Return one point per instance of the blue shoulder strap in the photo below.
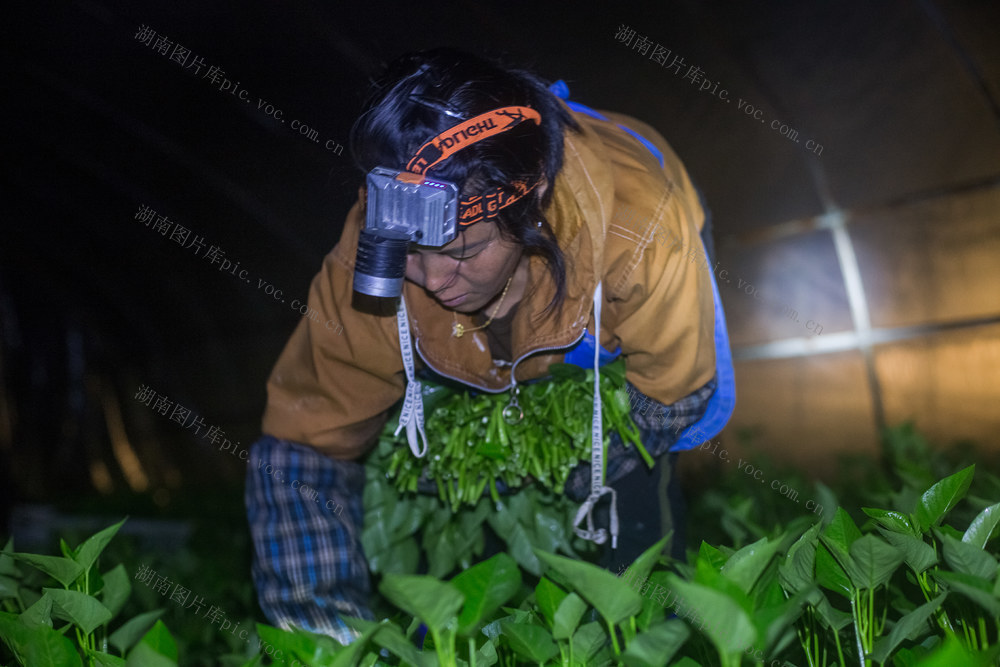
(583, 354)
(561, 90)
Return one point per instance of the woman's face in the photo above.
(468, 273)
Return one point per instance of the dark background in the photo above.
(901, 96)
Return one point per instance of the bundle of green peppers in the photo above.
(471, 446)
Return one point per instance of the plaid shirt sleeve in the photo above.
(305, 514)
(659, 428)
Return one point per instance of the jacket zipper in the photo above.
(513, 368)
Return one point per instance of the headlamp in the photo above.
(407, 207)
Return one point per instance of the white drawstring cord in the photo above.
(412, 415)
(597, 487)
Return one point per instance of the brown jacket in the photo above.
(334, 391)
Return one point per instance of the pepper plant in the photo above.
(897, 586)
(69, 625)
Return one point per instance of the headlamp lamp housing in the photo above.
(402, 208)
(425, 208)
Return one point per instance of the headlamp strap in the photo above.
(465, 134)
(468, 132)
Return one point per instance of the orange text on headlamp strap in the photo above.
(467, 133)
(486, 207)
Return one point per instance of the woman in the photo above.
(536, 263)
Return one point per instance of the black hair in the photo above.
(420, 95)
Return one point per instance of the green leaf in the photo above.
(707, 576)
(38, 645)
(656, 646)
(567, 616)
(950, 531)
(66, 551)
(614, 371)
(942, 497)
(401, 557)
(916, 553)
(63, 570)
(117, 588)
(144, 655)
(84, 611)
(308, 646)
(39, 614)
(88, 552)
(967, 558)
(796, 570)
(875, 560)
(391, 638)
(653, 611)
(404, 518)
(132, 630)
(841, 531)
(108, 660)
(531, 641)
(552, 533)
(643, 565)
(352, 653)
(731, 629)
(897, 522)
(8, 587)
(905, 628)
(831, 617)
(711, 556)
(776, 613)
(831, 572)
(611, 597)
(159, 639)
(950, 653)
(518, 543)
(972, 587)
(434, 602)
(441, 550)
(746, 565)
(548, 596)
(486, 586)
(982, 527)
(588, 641)
(486, 655)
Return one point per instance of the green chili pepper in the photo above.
(557, 417)
(491, 436)
(502, 427)
(494, 494)
(546, 458)
(531, 447)
(637, 441)
(394, 465)
(469, 489)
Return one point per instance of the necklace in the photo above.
(457, 330)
